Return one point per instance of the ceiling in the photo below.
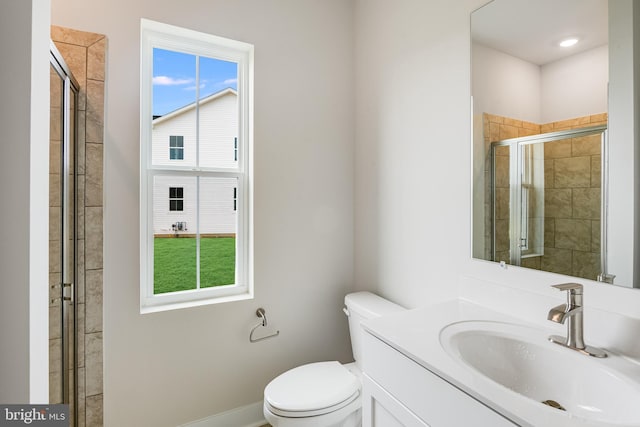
(532, 29)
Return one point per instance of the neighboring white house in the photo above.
(174, 144)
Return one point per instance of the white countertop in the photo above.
(416, 334)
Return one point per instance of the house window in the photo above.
(235, 149)
(176, 198)
(176, 147)
(235, 199)
(197, 92)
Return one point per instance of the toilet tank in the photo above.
(362, 306)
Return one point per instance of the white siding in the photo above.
(180, 125)
(216, 205)
(218, 129)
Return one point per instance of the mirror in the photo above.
(544, 197)
(552, 144)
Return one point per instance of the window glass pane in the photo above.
(174, 261)
(176, 147)
(198, 196)
(176, 141)
(174, 227)
(176, 154)
(176, 199)
(218, 228)
(218, 113)
(176, 205)
(174, 113)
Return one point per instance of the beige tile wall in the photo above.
(85, 54)
(572, 206)
(572, 195)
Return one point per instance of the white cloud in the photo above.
(194, 87)
(230, 81)
(170, 81)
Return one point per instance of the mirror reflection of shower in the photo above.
(545, 210)
(62, 234)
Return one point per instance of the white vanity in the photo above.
(400, 392)
(460, 364)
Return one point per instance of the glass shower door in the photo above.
(546, 202)
(62, 238)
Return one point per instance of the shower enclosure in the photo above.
(62, 234)
(548, 202)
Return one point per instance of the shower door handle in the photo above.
(62, 286)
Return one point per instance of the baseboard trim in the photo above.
(245, 416)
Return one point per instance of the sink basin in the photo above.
(520, 359)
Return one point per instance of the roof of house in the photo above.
(191, 106)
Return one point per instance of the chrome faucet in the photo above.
(572, 314)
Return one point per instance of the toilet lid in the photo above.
(312, 387)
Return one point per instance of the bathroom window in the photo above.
(197, 94)
(176, 147)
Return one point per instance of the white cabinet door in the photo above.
(380, 409)
(433, 400)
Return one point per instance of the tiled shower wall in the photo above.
(85, 55)
(572, 195)
(498, 128)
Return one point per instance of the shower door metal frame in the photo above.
(66, 287)
(515, 183)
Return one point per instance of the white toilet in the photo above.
(326, 394)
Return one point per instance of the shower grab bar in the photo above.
(263, 323)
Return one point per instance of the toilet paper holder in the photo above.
(261, 313)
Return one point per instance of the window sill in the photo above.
(156, 308)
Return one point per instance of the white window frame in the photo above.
(163, 36)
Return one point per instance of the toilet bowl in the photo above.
(326, 394)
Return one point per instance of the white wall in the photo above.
(572, 87)
(168, 368)
(505, 85)
(412, 147)
(24, 166)
(575, 86)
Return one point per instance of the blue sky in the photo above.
(174, 79)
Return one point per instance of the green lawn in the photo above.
(175, 263)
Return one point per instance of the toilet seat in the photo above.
(312, 390)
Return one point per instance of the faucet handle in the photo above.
(572, 288)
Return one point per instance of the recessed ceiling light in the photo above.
(568, 42)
